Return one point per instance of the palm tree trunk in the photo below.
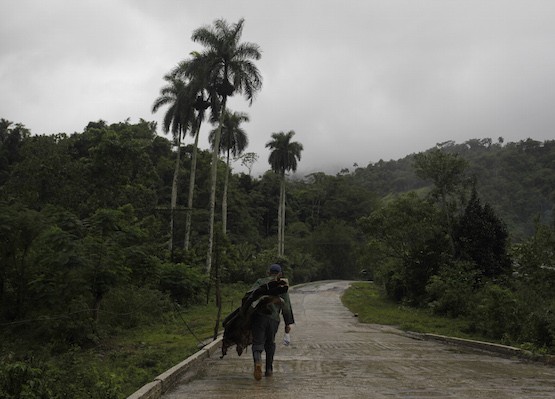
(218, 300)
(282, 227)
(281, 218)
(188, 217)
(448, 219)
(224, 197)
(279, 223)
(174, 192)
(213, 177)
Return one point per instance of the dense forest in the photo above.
(117, 217)
(85, 233)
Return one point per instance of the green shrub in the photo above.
(451, 291)
(130, 306)
(64, 377)
(389, 276)
(538, 323)
(20, 380)
(550, 318)
(302, 268)
(185, 284)
(73, 326)
(496, 314)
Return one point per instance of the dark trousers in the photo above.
(264, 330)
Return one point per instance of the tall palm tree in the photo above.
(195, 73)
(234, 140)
(283, 157)
(178, 117)
(230, 69)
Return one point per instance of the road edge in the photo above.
(490, 347)
(163, 382)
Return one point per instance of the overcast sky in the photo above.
(357, 80)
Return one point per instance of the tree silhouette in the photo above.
(283, 157)
(229, 68)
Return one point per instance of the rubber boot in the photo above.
(270, 351)
(257, 355)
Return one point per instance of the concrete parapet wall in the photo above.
(152, 390)
(502, 350)
(487, 346)
(191, 365)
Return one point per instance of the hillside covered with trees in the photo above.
(516, 179)
(85, 232)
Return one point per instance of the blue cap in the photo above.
(274, 268)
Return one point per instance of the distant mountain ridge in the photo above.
(517, 179)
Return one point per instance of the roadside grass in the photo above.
(364, 299)
(135, 357)
(123, 360)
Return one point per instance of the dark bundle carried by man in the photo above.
(237, 325)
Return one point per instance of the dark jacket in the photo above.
(271, 305)
(267, 297)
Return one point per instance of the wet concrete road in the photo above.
(334, 356)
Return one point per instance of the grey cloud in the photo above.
(358, 81)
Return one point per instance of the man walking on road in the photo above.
(265, 322)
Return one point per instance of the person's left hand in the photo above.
(287, 328)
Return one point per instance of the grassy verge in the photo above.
(138, 356)
(120, 363)
(364, 299)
